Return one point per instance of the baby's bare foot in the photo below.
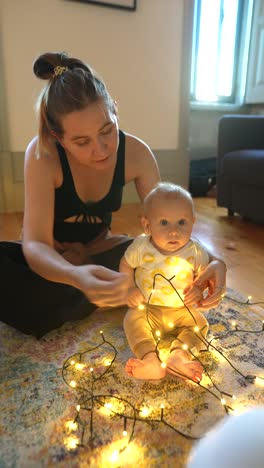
(148, 368)
(180, 364)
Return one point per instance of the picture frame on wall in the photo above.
(129, 5)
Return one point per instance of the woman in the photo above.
(75, 170)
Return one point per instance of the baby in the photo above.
(166, 251)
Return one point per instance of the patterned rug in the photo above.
(37, 401)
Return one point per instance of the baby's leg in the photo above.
(140, 338)
(191, 337)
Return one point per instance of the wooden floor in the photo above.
(239, 243)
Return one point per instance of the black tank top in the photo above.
(67, 203)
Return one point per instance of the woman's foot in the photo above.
(148, 368)
(180, 364)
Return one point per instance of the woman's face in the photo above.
(91, 136)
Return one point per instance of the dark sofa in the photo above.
(240, 166)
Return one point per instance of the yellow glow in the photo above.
(144, 412)
(91, 369)
(234, 323)
(141, 307)
(72, 362)
(73, 383)
(114, 456)
(196, 329)
(157, 333)
(101, 331)
(162, 406)
(171, 324)
(163, 365)
(78, 407)
(234, 397)
(124, 433)
(71, 442)
(107, 362)
(79, 366)
(184, 346)
(71, 425)
(249, 298)
(259, 382)
(223, 401)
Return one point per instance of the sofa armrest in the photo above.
(236, 132)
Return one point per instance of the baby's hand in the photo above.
(134, 297)
(192, 295)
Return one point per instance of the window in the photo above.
(215, 51)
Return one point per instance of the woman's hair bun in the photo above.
(45, 64)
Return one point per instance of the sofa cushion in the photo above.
(244, 167)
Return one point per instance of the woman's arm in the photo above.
(141, 166)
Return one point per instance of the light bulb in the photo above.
(141, 307)
(79, 366)
(73, 383)
(184, 346)
(196, 329)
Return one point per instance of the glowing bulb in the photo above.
(171, 324)
(259, 381)
(184, 346)
(196, 329)
(108, 406)
(78, 407)
(79, 366)
(249, 298)
(91, 369)
(162, 406)
(141, 307)
(72, 362)
(107, 362)
(73, 383)
(71, 442)
(71, 425)
(114, 456)
(157, 333)
(163, 365)
(234, 323)
(233, 397)
(145, 412)
(223, 401)
(152, 291)
(101, 331)
(124, 433)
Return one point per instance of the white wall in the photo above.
(137, 53)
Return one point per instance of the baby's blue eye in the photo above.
(164, 222)
(181, 222)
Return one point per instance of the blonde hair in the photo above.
(72, 89)
(169, 191)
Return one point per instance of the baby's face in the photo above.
(170, 223)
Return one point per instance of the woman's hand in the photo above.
(134, 297)
(103, 287)
(213, 277)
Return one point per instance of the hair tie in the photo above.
(59, 70)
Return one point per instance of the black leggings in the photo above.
(35, 305)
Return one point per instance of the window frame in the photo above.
(221, 100)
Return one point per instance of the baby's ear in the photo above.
(145, 224)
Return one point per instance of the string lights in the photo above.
(84, 376)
